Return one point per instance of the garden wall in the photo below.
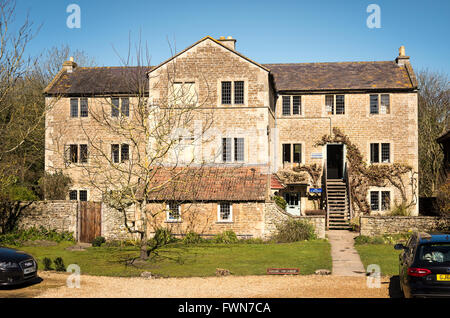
(52, 215)
(379, 225)
(274, 215)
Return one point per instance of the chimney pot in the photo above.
(229, 42)
(69, 65)
(402, 59)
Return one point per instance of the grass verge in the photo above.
(201, 260)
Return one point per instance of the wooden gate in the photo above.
(90, 221)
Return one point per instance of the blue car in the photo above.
(424, 269)
(16, 267)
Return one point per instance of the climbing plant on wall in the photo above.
(363, 176)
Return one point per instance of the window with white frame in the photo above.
(380, 200)
(380, 152)
(173, 211)
(291, 105)
(225, 212)
(233, 149)
(380, 104)
(335, 104)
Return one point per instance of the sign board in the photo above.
(315, 190)
(283, 271)
(316, 155)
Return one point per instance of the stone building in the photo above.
(253, 125)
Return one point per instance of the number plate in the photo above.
(29, 270)
(443, 277)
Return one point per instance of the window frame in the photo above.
(334, 106)
(219, 212)
(83, 107)
(291, 148)
(381, 151)
(72, 109)
(232, 92)
(382, 207)
(169, 210)
(235, 89)
(381, 98)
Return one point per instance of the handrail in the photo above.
(349, 193)
(324, 191)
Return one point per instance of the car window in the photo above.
(436, 253)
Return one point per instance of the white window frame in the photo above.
(219, 217)
(168, 218)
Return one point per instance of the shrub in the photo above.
(162, 237)
(400, 210)
(227, 237)
(20, 236)
(59, 264)
(47, 264)
(280, 201)
(193, 238)
(316, 212)
(98, 241)
(294, 231)
(54, 186)
(355, 224)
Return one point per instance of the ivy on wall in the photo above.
(363, 176)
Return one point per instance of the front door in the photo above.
(335, 161)
(90, 221)
(293, 202)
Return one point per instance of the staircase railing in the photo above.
(324, 192)
(349, 193)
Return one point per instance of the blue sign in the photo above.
(315, 190)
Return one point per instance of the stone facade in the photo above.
(379, 225)
(52, 215)
(258, 120)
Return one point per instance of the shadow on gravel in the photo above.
(394, 287)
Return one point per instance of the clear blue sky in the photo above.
(275, 31)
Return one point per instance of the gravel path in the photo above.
(220, 287)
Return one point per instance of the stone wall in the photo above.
(55, 215)
(274, 215)
(379, 225)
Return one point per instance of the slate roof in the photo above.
(100, 80)
(342, 76)
(209, 184)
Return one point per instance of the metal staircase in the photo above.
(338, 207)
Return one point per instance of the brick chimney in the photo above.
(229, 42)
(69, 65)
(402, 59)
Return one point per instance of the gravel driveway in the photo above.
(220, 287)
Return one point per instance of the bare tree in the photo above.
(434, 111)
(128, 178)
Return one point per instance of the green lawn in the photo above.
(196, 260)
(383, 255)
